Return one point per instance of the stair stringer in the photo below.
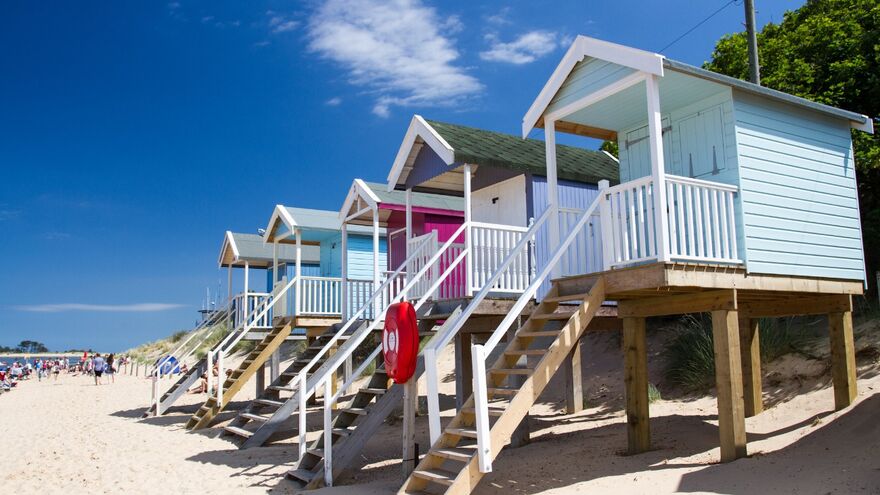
(272, 341)
(529, 392)
(262, 434)
(179, 388)
(282, 379)
(350, 447)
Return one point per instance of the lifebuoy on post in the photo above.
(400, 342)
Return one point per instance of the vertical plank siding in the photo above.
(586, 77)
(798, 191)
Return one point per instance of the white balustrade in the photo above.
(627, 212)
(702, 224)
(245, 304)
(320, 296)
(492, 244)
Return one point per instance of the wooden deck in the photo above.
(736, 300)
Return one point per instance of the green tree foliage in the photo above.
(611, 147)
(31, 346)
(826, 51)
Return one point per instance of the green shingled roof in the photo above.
(494, 149)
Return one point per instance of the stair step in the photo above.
(238, 431)
(537, 333)
(282, 388)
(526, 352)
(553, 316)
(570, 297)
(462, 432)
(301, 474)
(254, 417)
(455, 453)
(269, 402)
(502, 391)
(342, 432)
(355, 410)
(316, 452)
(511, 371)
(492, 411)
(440, 476)
(374, 391)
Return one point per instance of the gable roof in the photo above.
(375, 194)
(655, 63)
(306, 219)
(459, 144)
(238, 248)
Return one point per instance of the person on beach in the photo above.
(98, 367)
(108, 369)
(56, 369)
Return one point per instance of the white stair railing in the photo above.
(183, 351)
(243, 305)
(513, 256)
(481, 352)
(226, 346)
(493, 244)
(429, 269)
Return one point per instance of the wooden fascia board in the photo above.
(698, 302)
(797, 306)
(419, 128)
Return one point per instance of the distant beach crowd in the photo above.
(102, 368)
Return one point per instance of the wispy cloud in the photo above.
(333, 102)
(102, 308)
(260, 44)
(9, 214)
(525, 49)
(499, 18)
(396, 50)
(56, 236)
(280, 23)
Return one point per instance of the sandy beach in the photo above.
(77, 437)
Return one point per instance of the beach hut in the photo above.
(305, 258)
(497, 183)
(372, 282)
(732, 199)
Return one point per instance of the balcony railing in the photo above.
(245, 304)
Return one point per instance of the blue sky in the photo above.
(133, 134)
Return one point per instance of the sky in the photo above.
(134, 134)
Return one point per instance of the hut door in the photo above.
(637, 152)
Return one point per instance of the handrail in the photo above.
(430, 351)
(481, 352)
(700, 182)
(328, 372)
(499, 226)
(206, 323)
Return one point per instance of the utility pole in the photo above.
(754, 68)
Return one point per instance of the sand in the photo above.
(75, 437)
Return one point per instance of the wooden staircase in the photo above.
(179, 388)
(259, 411)
(452, 464)
(234, 382)
(354, 425)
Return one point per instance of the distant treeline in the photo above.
(26, 346)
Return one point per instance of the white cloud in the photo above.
(523, 50)
(56, 236)
(334, 102)
(394, 49)
(499, 18)
(279, 23)
(207, 18)
(260, 44)
(104, 308)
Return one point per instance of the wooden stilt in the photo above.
(464, 372)
(260, 381)
(275, 364)
(574, 390)
(750, 351)
(843, 360)
(310, 340)
(635, 358)
(410, 405)
(728, 380)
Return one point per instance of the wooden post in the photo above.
(635, 359)
(410, 405)
(275, 365)
(843, 360)
(464, 372)
(552, 187)
(468, 238)
(574, 390)
(658, 167)
(750, 351)
(728, 380)
(261, 380)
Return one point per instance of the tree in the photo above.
(30, 346)
(826, 51)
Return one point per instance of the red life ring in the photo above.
(400, 341)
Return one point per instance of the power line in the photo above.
(689, 31)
